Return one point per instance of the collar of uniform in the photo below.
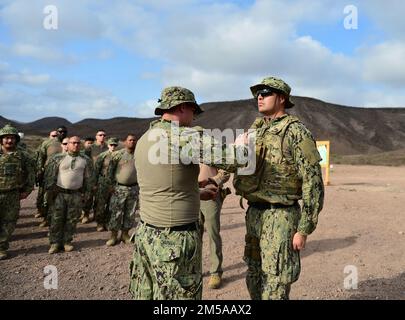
(73, 154)
(272, 122)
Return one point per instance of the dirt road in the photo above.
(361, 230)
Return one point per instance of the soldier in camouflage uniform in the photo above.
(210, 212)
(93, 150)
(167, 258)
(287, 170)
(123, 180)
(102, 197)
(17, 178)
(69, 181)
(45, 151)
(64, 144)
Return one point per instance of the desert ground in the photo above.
(361, 230)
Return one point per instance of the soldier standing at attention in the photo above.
(102, 197)
(64, 144)
(46, 150)
(88, 142)
(17, 179)
(123, 180)
(167, 258)
(287, 170)
(93, 151)
(210, 212)
(69, 181)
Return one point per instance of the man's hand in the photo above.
(241, 139)
(24, 195)
(209, 192)
(203, 183)
(299, 241)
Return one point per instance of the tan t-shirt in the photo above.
(71, 172)
(169, 193)
(126, 172)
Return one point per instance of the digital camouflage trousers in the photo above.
(272, 263)
(64, 212)
(166, 265)
(9, 210)
(122, 208)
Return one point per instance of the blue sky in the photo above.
(109, 59)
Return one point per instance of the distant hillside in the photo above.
(351, 130)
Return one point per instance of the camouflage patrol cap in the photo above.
(113, 141)
(173, 96)
(278, 85)
(9, 130)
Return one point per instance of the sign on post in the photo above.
(324, 151)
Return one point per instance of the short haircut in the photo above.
(89, 139)
(130, 135)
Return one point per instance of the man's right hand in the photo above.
(209, 192)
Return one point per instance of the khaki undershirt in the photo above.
(169, 194)
(126, 172)
(68, 177)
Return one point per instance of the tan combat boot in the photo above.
(54, 248)
(125, 237)
(3, 254)
(113, 239)
(215, 281)
(68, 247)
(38, 214)
(85, 218)
(44, 223)
(100, 227)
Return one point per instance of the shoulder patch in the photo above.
(309, 150)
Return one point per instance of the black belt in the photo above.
(59, 189)
(11, 190)
(127, 185)
(268, 205)
(184, 227)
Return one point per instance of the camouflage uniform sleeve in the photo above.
(112, 167)
(221, 177)
(98, 165)
(206, 149)
(41, 157)
(51, 171)
(29, 172)
(89, 178)
(306, 157)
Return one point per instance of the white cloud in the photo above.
(145, 109)
(217, 49)
(385, 63)
(26, 78)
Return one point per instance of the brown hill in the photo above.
(351, 130)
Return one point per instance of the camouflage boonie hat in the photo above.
(9, 130)
(173, 96)
(113, 141)
(278, 85)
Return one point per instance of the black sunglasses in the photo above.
(266, 92)
(65, 143)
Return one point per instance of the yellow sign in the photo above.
(324, 151)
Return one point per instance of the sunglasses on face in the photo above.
(54, 135)
(65, 143)
(266, 92)
(101, 135)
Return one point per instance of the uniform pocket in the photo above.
(289, 264)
